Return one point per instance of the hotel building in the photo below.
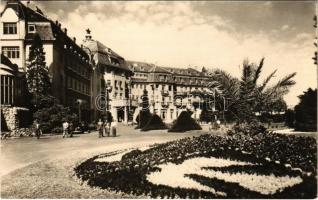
(170, 90)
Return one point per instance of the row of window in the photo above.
(140, 75)
(11, 52)
(120, 95)
(11, 28)
(119, 84)
(77, 68)
(77, 85)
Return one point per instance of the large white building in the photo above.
(170, 90)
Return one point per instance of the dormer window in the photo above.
(31, 28)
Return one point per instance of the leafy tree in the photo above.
(37, 73)
(306, 111)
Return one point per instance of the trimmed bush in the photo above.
(184, 123)
(143, 118)
(155, 123)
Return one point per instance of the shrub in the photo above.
(51, 115)
(252, 128)
(184, 123)
(155, 123)
(143, 118)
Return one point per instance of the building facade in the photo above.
(110, 81)
(170, 90)
(68, 63)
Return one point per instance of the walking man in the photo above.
(65, 128)
(38, 131)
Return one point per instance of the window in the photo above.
(9, 28)
(31, 28)
(11, 52)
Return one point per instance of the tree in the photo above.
(246, 95)
(145, 100)
(290, 118)
(37, 73)
(306, 111)
(51, 115)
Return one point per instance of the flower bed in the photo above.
(286, 163)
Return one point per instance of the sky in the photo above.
(214, 34)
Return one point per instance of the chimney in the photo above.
(56, 22)
(59, 25)
(74, 39)
(65, 31)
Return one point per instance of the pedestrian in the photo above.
(106, 128)
(37, 127)
(71, 129)
(65, 128)
(100, 127)
(109, 119)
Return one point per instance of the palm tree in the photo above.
(246, 95)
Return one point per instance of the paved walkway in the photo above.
(20, 152)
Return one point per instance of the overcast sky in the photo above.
(211, 34)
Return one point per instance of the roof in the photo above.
(43, 30)
(25, 12)
(7, 67)
(137, 66)
(103, 55)
(157, 69)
